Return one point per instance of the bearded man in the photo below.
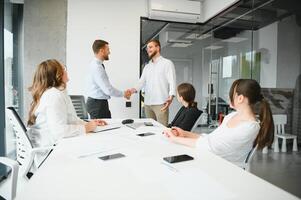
(159, 82)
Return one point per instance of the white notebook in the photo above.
(106, 127)
(135, 125)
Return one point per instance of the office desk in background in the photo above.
(73, 171)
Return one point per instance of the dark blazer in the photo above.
(185, 118)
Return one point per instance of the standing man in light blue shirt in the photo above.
(100, 88)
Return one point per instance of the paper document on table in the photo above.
(206, 186)
(174, 178)
(106, 128)
(99, 143)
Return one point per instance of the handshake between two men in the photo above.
(128, 93)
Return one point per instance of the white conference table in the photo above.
(73, 171)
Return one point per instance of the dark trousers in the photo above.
(98, 108)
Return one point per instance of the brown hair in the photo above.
(49, 73)
(187, 91)
(98, 44)
(157, 42)
(251, 89)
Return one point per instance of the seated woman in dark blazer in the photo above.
(188, 113)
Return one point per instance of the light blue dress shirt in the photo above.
(99, 84)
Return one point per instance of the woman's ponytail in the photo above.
(265, 136)
(193, 104)
(187, 92)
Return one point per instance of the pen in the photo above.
(109, 129)
(170, 167)
(130, 127)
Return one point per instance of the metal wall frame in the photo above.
(2, 99)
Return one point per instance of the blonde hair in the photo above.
(49, 73)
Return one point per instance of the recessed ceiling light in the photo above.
(191, 36)
(204, 36)
(213, 47)
(183, 45)
(198, 36)
(247, 17)
(179, 41)
(235, 39)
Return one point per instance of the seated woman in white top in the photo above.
(52, 115)
(240, 130)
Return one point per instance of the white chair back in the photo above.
(279, 122)
(22, 140)
(13, 176)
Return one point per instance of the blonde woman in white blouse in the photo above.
(240, 130)
(52, 115)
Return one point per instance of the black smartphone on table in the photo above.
(178, 158)
(112, 156)
(145, 134)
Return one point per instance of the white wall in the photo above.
(117, 22)
(44, 38)
(289, 48)
(212, 7)
(267, 45)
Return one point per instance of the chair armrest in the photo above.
(41, 149)
(14, 174)
(9, 162)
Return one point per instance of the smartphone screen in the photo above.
(112, 156)
(178, 158)
(145, 134)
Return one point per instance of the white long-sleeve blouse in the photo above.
(55, 119)
(232, 144)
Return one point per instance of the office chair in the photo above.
(246, 164)
(79, 104)
(13, 180)
(25, 151)
(197, 122)
(249, 158)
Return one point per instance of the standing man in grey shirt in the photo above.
(100, 88)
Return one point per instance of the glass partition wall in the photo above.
(257, 39)
(229, 56)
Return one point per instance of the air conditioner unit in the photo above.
(175, 10)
